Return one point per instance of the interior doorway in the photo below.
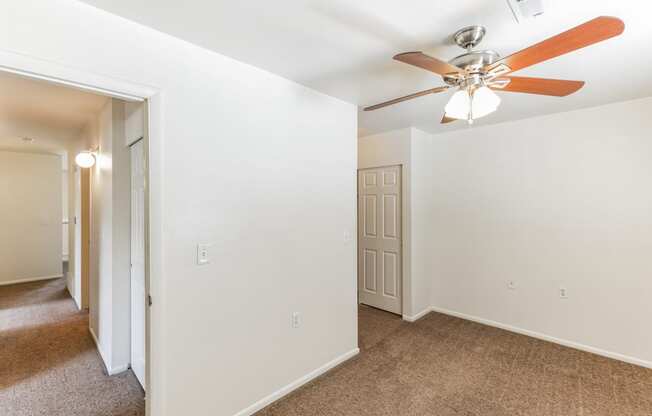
(380, 238)
(97, 217)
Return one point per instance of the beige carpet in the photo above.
(48, 361)
(444, 366)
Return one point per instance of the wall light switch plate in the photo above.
(296, 319)
(563, 293)
(203, 255)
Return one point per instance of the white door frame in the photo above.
(137, 292)
(40, 69)
(78, 248)
(404, 232)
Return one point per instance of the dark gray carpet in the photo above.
(439, 366)
(444, 366)
(48, 362)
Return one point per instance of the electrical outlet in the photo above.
(511, 284)
(563, 293)
(296, 319)
(202, 254)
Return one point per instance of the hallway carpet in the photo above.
(444, 366)
(48, 362)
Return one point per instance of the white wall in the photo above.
(419, 218)
(259, 166)
(384, 149)
(109, 301)
(561, 200)
(49, 139)
(30, 216)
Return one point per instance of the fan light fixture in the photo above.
(85, 159)
(459, 105)
(485, 102)
(468, 104)
(476, 74)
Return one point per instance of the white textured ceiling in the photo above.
(344, 48)
(50, 114)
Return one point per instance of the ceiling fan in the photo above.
(477, 74)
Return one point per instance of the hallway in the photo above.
(49, 364)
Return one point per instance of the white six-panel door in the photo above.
(138, 292)
(379, 238)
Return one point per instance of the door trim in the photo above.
(138, 142)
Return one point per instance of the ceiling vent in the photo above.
(525, 9)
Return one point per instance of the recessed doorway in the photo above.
(85, 140)
(380, 238)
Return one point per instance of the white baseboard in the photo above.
(118, 369)
(544, 337)
(69, 278)
(99, 348)
(413, 318)
(296, 384)
(79, 308)
(109, 369)
(30, 279)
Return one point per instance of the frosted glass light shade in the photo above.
(85, 159)
(459, 105)
(485, 102)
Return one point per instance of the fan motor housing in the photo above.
(475, 59)
(472, 62)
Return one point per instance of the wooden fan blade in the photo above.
(541, 86)
(426, 62)
(407, 97)
(445, 119)
(594, 31)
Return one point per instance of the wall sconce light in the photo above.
(85, 159)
